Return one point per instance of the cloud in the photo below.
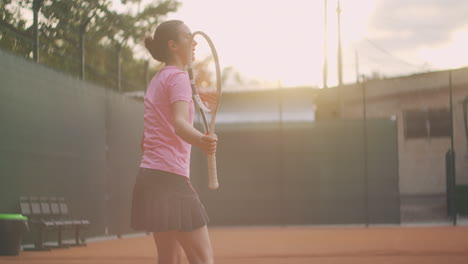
(406, 25)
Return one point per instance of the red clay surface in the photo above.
(291, 245)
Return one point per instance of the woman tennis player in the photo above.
(164, 201)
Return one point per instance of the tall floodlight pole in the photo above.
(325, 52)
(340, 63)
(356, 59)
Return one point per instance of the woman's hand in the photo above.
(208, 143)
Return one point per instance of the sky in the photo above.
(281, 43)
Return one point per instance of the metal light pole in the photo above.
(325, 55)
(356, 59)
(340, 64)
(340, 59)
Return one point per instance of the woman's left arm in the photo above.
(185, 130)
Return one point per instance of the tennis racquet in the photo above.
(205, 79)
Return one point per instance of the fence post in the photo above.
(36, 7)
(147, 78)
(364, 134)
(117, 55)
(82, 46)
(450, 166)
(451, 185)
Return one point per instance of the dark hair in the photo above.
(157, 45)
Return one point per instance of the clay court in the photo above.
(291, 245)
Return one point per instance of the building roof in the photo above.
(397, 86)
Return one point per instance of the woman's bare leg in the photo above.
(169, 250)
(197, 246)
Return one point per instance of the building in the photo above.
(421, 105)
(274, 105)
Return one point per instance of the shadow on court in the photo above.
(292, 245)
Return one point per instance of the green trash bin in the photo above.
(12, 228)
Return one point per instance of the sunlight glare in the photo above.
(452, 54)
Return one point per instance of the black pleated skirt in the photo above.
(164, 201)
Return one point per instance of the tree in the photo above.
(60, 24)
(14, 35)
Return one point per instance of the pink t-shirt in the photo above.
(163, 149)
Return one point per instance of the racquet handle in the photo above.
(212, 174)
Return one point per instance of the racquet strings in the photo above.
(204, 71)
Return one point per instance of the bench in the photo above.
(51, 214)
(76, 223)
